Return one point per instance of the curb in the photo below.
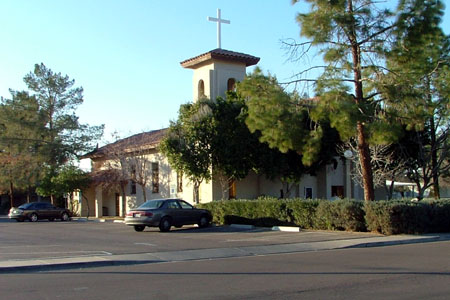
(286, 228)
(70, 265)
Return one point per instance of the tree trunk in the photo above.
(29, 194)
(11, 193)
(87, 204)
(196, 192)
(434, 160)
(144, 192)
(363, 147)
(366, 168)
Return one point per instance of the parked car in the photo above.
(35, 211)
(165, 213)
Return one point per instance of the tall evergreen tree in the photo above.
(418, 86)
(352, 36)
(64, 137)
(20, 155)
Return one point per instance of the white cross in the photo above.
(219, 21)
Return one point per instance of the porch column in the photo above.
(122, 208)
(98, 202)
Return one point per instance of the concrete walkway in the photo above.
(35, 265)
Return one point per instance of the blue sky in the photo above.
(126, 54)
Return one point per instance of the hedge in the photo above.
(386, 217)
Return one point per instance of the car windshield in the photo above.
(26, 205)
(152, 204)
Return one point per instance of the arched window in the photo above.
(231, 84)
(201, 89)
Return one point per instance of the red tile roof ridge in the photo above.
(148, 140)
(223, 54)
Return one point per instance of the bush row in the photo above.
(387, 217)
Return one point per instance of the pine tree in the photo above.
(418, 87)
(352, 36)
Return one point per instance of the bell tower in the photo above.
(217, 71)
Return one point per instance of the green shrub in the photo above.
(396, 217)
(378, 217)
(440, 216)
(340, 215)
(386, 217)
(302, 212)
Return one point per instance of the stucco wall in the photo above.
(215, 77)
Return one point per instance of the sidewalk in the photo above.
(213, 253)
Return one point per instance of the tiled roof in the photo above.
(220, 54)
(146, 140)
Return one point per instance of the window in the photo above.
(337, 191)
(185, 205)
(231, 85)
(173, 205)
(155, 178)
(232, 189)
(201, 89)
(152, 204)
(308, 191)
(133, 188)
(179, 182)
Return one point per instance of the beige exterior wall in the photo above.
(215, 77)
(308, 181)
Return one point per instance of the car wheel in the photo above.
(139, 228)
(165, 224)
(65, 217)
(33, 217)
(203, 222)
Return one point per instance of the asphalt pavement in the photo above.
(296, 241)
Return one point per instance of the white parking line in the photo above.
(30, 246)
(145, 244)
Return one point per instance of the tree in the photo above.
(139, 168)
(63, 138)
(214, 135)
(418, 87)
(351, 35)
(187, 144)
(416, 150)
(63, 181)
(282, 121)
(20, 156)
(388, 164)
(281, 118)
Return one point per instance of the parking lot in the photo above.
(43, 239)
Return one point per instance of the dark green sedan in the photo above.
(165, 213)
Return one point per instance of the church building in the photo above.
(113, 193)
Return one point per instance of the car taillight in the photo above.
(144, 213)
(139, 213)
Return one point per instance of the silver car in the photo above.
(165, 213)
